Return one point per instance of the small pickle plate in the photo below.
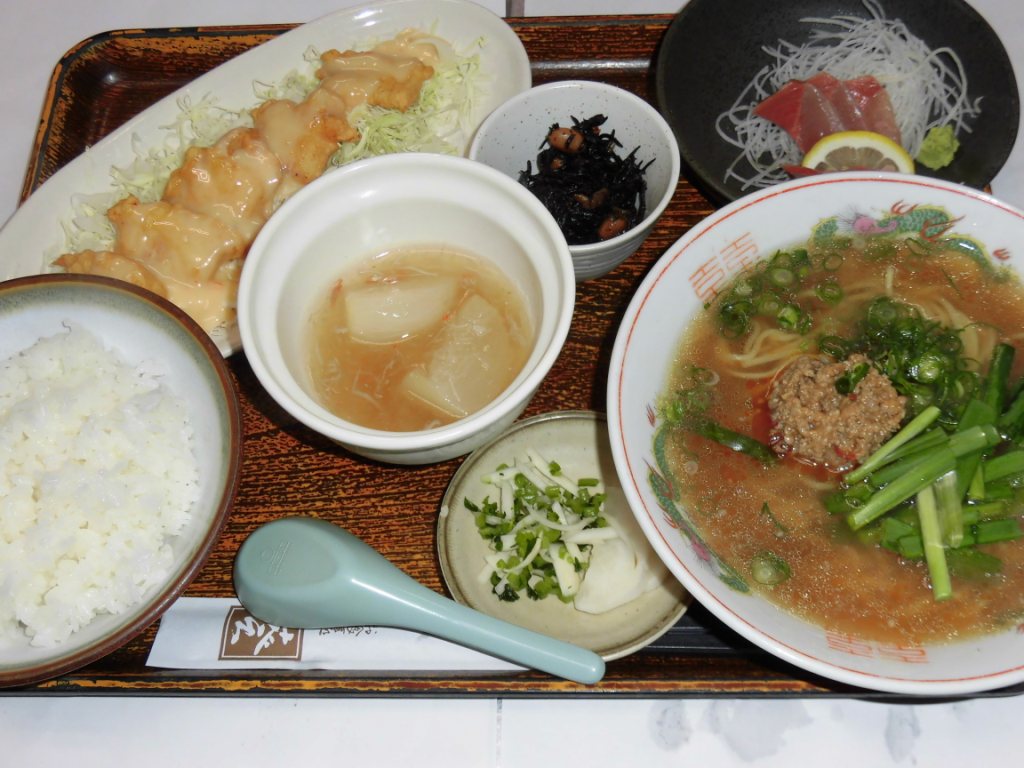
(578, 441)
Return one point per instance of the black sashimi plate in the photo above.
(713, 48)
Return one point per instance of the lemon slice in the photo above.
(857, 151)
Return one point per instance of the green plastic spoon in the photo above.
(304, 573)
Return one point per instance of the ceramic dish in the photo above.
(149, 332)
(413, 201)
(578, 440)
(509, 138)
(34, 235)
(713, 48)
(877, 206)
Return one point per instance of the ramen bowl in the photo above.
(511, 136)
(389, 204)
(882, 209)
(123, 559)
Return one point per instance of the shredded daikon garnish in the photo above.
(927, 88)
(439, 120)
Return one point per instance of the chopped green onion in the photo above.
(927, 368)
(986, 510)
(976, 488)
(919, 476)
(991, 531)
(780, 529)
(950, 512)
(910, 547)
(769, 569)
(912, 429)
(792, 318)
(848, 382)
(998, 467)
(541, 527)
(934, 552)
(969, 442)
(893, 530)
(832, 261)
(972, 564)
(976, 413)
(998, 492)
(829, 291)
(734, 440)
(945, 484)
(996, 382)
(781, 277)
(734, 318)
(768, 304)
(835, 347)
(926, 440)
(1012, 419)
(922, 358)
(919, 472)
(839, 503)
(882, 477)
(745, 287)
(882, 312)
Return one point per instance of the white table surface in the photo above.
(85, 732)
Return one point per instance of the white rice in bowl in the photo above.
(97, 475)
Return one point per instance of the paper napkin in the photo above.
(217, 633)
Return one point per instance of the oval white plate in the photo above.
(578, 441)
(34, 235)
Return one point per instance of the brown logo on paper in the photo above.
(246, 637)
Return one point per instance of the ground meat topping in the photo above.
(815, 422)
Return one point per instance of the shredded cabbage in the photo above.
(436, 123)
(927, 87)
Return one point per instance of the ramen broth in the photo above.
(417, 338)
(838, 581)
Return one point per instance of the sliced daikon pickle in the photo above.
(620, 569)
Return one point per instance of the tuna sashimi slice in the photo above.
(803, 111)
(876, 105)
(810, 109)
(784, 107)
(843, 102)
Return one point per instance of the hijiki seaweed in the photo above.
(593, 193)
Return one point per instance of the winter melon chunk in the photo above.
(476, 358)
(392, 312)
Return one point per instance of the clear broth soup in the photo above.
(417, 338)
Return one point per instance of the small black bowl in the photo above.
(713, 48)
